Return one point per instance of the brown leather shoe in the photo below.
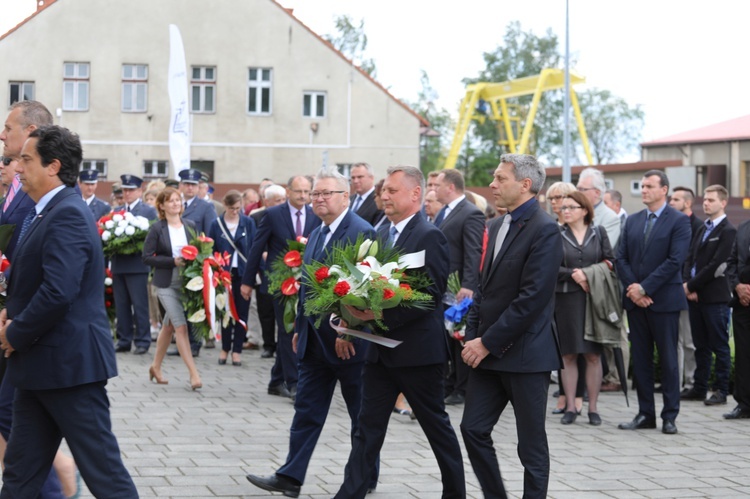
(611, 387)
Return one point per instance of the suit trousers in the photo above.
(709, 324)
(423, 387)
(487, 395)
(458, 372)
(284, 368)
(685, 351)
(131, 305)
(80, 414)
(646, 328)
(267, 318)
(315, 388)
(741, 327)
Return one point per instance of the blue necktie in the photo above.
(709, 228)
(392, 236)
(27, 223)
(440, 215)
(321, 244)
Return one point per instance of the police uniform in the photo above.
(98, 207)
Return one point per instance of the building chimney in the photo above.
(40, 4)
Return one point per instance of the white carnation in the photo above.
(106, 235)
(129, 230)
(107, 281)
(128, 216)
(119, 230)
(109, 224)
(117, 217)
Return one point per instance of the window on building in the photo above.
(155, 169)
(635, 187)
(344, 169)
(21, 90)
(99, 165)
(76, 86)
(259, 91)
(134, 88)
(314, 104)
(203, 89)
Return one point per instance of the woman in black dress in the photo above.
(583, 245)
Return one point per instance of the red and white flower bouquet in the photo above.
(284, 279)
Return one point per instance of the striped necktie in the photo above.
(12, 191)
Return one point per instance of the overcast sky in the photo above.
(684, 62)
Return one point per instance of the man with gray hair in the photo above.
(510, 345)
(591, 182)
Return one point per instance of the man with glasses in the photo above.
(320, 368)
(281, 223)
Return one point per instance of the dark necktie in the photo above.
(649, 225)
(357, 202)
(440, 215)
(320, 246)
(27, 223)
(392, 236)
(298, 225)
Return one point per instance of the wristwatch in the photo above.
(641, 290)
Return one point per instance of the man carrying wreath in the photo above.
(319, 366)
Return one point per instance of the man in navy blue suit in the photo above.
(416, 366)
(130, 279)
(652, 251)
(319, 366)
(510, 344)
(55, 331)
(87, 181)
(280, 224)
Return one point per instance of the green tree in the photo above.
(613, 127)
(433, 139)
(351, 41)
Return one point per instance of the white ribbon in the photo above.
(374, 338)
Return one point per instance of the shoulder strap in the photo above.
(226, 234)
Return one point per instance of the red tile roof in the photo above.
(39, 8)
(736, 129)
(554, 171)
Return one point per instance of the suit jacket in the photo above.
(350, 227)
(202, 213)
(243, 239)
(709, 258)
(369, 211)
(422, 331)
(133, 264)
(657, 265)
(16, 212)
(157, 251)
(738, 264)
(513, 310)
(100, 208)
(464, 228)
(274, 231)
(60, 329)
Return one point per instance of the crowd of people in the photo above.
(562, 281)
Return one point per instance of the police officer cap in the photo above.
(89, 176)
(190, 176)
(131, 181)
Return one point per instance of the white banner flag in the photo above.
(179, 124)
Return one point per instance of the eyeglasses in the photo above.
(570, 208)
(300, 191)
(555, 198)
(584, 189)
(324, 194)
(6, 161)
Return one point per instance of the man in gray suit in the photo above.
(463, 226)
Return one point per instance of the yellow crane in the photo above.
(508, 116)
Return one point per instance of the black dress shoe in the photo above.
(569, 417)
(738, 413)
(717, 398)
(640, 422)
(454, 398)
(266, 354)
(668, 427)
(595, 419)
(122, 348)
(275, 483)
(692, 394)
(140, 350)
(279, 390)
(195, 351)
(558, 410)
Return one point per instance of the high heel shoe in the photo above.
(152, 376)
(196, 386)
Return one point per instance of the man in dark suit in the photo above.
(738, 275)
(130, 278)
(280, 224)
(708, 295)
(316, 347)
(510, 344)
(24, 117)
(415, 367)
(649, 265)
(463, 226)
(54, 320)
(363, 183)
(202, 213)
(87, 181)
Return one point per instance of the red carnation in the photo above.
(405, 286)
(342, 288)
(321, 274)
(290, 287)
(388, 293)
(189, 252)
(107, 303)
(293, 259)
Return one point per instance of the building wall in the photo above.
(363, 122)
